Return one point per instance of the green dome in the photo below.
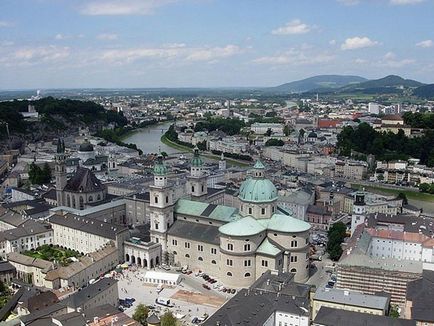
(197, 160)
(257, 190)
(159, 167)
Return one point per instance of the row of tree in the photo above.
(336, 235)
(386, 145)
(227, 125)
(38, 175)
(142, 312)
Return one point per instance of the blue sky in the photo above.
(210, 43)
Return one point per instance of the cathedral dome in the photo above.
(258, 190)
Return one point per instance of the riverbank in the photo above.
(179, 147)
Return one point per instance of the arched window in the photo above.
(73, 202)
(175, 253)
(229, 274)
(192, 188)
(294, 270)
(90, 199)
(247, 275)
(213, 262)
(81, 202)
(156, 199)
(98, 197)
(187, 256)
(68, 200)
(200, 259)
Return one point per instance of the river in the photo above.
(148, 139)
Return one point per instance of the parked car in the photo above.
(206, 286)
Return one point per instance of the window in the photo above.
(263, 211)
(229, 274)
(187, 245)
(293, 259)
(192, 188)
(187, 256)
(156, 225)
(214, 251)
(202, 188)
(229, 262)
(293, 270)
(174, 242)
(167, 199)
(250, 210)
(230, 246)
(294, 243)
(247, 275)
(199, 247)
(213, 262)
(200, 259)
(156, 199)
(264, 263)
(247, 247)
(247, 263)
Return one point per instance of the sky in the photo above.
(210, 43)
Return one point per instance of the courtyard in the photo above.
(189, 298)
(53, 253)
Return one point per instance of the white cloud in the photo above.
(425, 44)
(171, 51)
(360, 61)
(332, 42)
(295, 56)
(59, 37)
(124, 7)
(39, 54)
(390, 56)
(405, 2)
(4, 23)
(107, 36)
(349, 2)
(293, 27)
(358, 42)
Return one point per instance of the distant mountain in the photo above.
(425, 91)
(391, 82)
(330, 82)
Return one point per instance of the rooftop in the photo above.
(352, 298)
(205, 210)
(336, 317)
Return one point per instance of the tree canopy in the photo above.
(228, 125)
(386, 145)
(168, 319)
(336, 235)
(39, 176)
(274, 142)
(141, 313)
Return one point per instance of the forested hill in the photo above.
(56, 114)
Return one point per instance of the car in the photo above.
(165, 267)
(233, 291)
(206, 286)
(151, 307)
(328, 286)
(121, 309)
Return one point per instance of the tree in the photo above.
(168, 319)
(336, 235)
(394, 311)
(141, 314)
(287, 130)
(269, 132)
(274, 142)
(202, 145)
(39, 176)
(164, 154)
(402, 196)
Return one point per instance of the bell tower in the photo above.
(60, 172)
(161, 205)
(197, 180)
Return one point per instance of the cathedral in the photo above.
(235, 244)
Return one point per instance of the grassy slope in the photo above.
(410, 194)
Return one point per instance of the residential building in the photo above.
(350, 300)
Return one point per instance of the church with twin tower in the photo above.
(235, 244)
